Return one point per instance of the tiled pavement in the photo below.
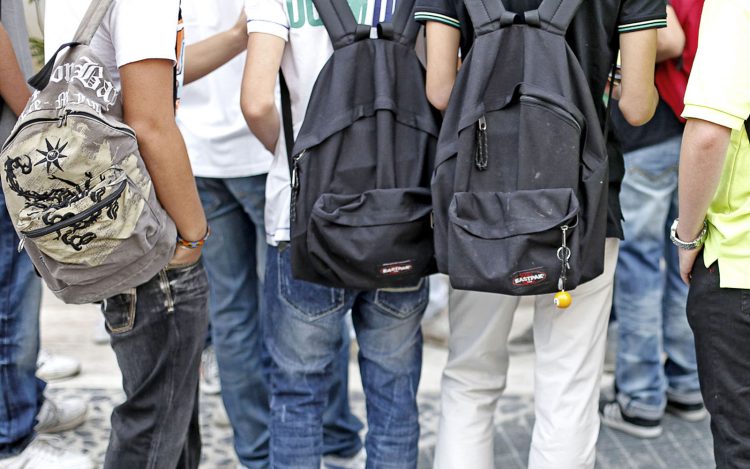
(67, 329)
(683, 445)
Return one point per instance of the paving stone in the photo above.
(682, 446)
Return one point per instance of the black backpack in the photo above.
(361, 205)
(520, 184)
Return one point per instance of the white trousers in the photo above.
(569, 347)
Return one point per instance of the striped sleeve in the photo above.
(641, 25)
(425, 16)
(637, 15)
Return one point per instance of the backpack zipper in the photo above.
(39, 232)
(62, 120)
(481, 158)
(295, 184)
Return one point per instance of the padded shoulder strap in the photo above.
(552, 15)
(91, 21)
(340, 23)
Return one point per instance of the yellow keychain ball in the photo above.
(563, 299)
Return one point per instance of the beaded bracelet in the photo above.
(193, 244)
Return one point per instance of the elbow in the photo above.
(637, 111)
(255, 108)
(438, 96)
(150, 129)
(707, 137)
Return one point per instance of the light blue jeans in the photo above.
(302, 333)
(20, 292)
(649, 295)
(234, 257)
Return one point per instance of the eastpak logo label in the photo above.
(392, 269)
(528, 278)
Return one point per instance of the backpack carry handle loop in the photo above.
(86, 30)
(552, 15)
(344, 30)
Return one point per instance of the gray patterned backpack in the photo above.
(75, 185)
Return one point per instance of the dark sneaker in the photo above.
(688, 412)
(612, 416)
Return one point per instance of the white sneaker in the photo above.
(56, 417)
(357, 461)
(210, 383)
(611, 415)
(47, 452)
(50, 367)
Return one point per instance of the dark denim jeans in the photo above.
(20, 291)
(235, 260)
(302, 333)
(720, 318)
(157, 332)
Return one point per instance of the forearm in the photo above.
(258, 93)
(163, 150)
(206, 56)
(704, 148)
(13, 88)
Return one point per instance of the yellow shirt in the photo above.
(719, 92)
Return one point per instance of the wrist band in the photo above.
(194, 244)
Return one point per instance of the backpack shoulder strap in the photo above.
(402, 28)
(91, 21)
(555, 15)
(552, 15)
(340, 23)
(86, 30)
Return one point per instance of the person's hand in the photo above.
(185, 256)
(687, 260)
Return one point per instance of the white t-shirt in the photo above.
(61, 19)
(134, 30)
(215, 132)
(307, 50)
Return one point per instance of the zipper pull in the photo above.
(21, 243)
(295, 184)
(480, 154)
(63, 119)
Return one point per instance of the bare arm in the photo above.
(638, 95)
(148, 108)
(13, 88)
(704, 149)
(442, 62)
(670, 41)
(211, 53)
(258, 96)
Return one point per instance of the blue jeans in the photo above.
(650, 300)
(20, 292)
(302, 334)
(157, 332)
(235, 261)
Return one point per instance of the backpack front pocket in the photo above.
(380, 238)
(83, 231)
(514, 243)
